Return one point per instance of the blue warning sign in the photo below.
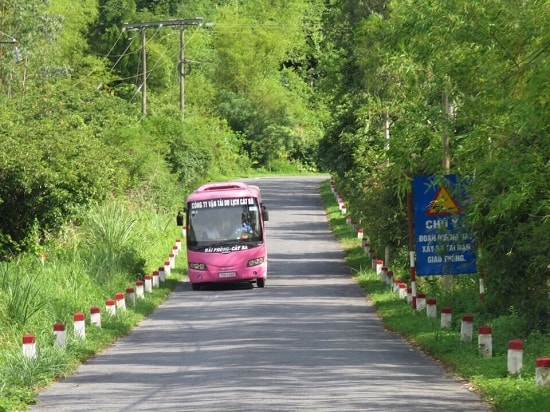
(443, 245)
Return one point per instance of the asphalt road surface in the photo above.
(308, 341)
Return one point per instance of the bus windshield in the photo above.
(223, 222)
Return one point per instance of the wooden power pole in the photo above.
(197, 21)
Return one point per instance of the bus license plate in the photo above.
(227, 274)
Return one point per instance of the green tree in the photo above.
(202, 149)
(260, 48)
(488, 60)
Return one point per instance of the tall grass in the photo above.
(20, 292)
(86, 265)
(108, 231)
(20, 371)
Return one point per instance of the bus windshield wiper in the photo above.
(221, 243)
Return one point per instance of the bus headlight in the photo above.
(197, 266)
(255, 262)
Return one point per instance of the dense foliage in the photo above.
(418, 73)
(375, 91)
(82, 124)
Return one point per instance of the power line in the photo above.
(122, 55)
(11, 40)
(197, 21)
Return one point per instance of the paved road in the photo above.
(308, 341)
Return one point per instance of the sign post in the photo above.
(412, 258)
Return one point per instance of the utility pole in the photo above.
(181, 69)
(197, 21)
(445, 139)
(11, 40)
(144, 74)
(446, 159)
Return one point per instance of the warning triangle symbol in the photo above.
(443, 203)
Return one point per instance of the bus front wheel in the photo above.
(260, 282)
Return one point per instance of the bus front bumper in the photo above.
(228, 274)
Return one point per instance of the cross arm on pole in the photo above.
(197, 21)
(12, 40)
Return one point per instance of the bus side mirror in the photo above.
(179, 218)
(265, 213)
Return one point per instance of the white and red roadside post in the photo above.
(148, 283)
(95, 316)
(120, 301)
(446, 317)
(156, 281)
(130, 296)
(485, 341)
(29, 346)
(431, 308)
(60, 334)
(420, 302)
(515, 356)
(542, 372)
(396, 282)
(110, 307)
(79, 325)
(178, 244)
(384, 275)
(389, 279)
(402, 290)
(341, 205)
(139, 289)
(166, 267)
(344, 209)
(162, 274)
(467, 328)
(175, 250)
(360, 233)
(172, 260)
(372, 255)
(379, 266)
(366, 246)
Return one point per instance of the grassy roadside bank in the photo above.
(115, 247)
(488, 376)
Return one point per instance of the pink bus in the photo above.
(225, 234)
